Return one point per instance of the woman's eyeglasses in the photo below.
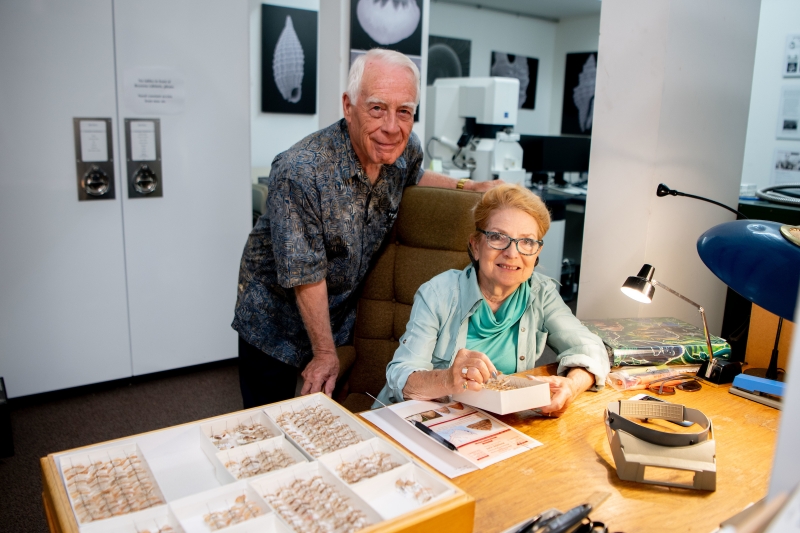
(501, 241)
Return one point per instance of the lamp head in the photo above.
(640, 287)
(757, 259)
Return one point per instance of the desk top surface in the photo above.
(576, 462)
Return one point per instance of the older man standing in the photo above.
(332, 200)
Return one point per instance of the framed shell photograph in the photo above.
(448, 58)
(288, 60)
(578, 107)
(525, 69)
(392, 24)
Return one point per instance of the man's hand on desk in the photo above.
(563, 390)
(320, 374)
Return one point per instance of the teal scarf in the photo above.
(496, 334)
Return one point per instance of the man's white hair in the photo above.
(387, 57)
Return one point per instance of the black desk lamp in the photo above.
(641, 288)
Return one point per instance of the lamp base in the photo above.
(721, 371)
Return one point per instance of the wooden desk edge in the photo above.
(57, 508)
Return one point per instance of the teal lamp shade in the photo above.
(758, 259)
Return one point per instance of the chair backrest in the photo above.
(430, 236)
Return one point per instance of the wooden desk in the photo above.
(576, 462)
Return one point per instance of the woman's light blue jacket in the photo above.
(437, 329)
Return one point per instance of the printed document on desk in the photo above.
(481, 439)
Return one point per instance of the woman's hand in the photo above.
(563, 390)
(429, 384)
(469, 371)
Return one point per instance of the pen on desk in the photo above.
(435, 436)
(425, 429)
(564, 522)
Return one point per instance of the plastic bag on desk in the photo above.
(627, 380)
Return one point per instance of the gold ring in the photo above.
(465, 385)
(464, 371)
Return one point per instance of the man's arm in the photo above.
(434, 179)
(321, 372)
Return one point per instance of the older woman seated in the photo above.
(495, 315)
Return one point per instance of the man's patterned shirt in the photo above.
(324, 220)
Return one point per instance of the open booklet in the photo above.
(481, 439)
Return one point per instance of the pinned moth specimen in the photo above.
(499, 384)
(240, 511)
(366, 466)
(413, 489)
(102, 489)
(317, 430)
(311, 505)
(243, 433)
(264, 461)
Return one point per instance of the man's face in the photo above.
(380, 122)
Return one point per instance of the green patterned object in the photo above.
(655, 341)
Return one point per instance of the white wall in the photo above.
(671, 105)
(778, 19)
(492, 31)
(334, 58)
(573, 35)
(272, 133)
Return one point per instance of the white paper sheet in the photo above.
(94, 142)
(785, 167)
(482, 439)
(791, 62)
(154, 90)
(789, 113)
(143, 140)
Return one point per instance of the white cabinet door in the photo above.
(183, 249)
(63, 306)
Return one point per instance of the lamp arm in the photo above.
(732, 210)
(679, 295)
(702, 315)
(663, 190)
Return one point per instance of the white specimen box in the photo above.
(251, 450)
(274, 411)
(382, 494)
(106, 454)
(153, 520)
(527, 394)
(332, 460)
(271, 484)
(190, 510)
